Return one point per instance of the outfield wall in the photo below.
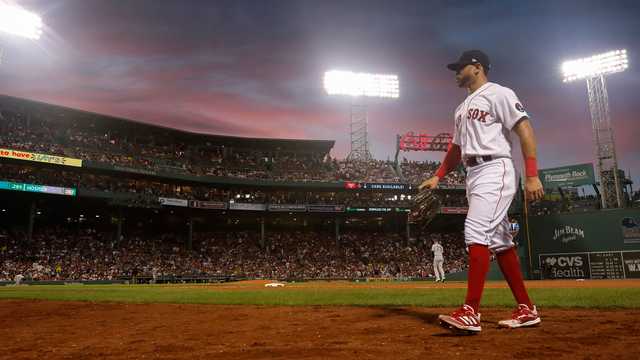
(598, 245)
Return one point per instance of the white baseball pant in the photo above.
(438, 269)
(491, 187)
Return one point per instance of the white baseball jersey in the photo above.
(483, 126)
(437, 251)
(484, 120)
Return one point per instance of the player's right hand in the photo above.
(430, 183)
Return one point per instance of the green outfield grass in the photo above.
(303, 294)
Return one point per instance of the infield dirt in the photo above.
(84, 330)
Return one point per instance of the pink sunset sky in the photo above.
(254, 68)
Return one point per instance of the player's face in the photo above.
(465, 76)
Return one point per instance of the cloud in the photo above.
(254, 68)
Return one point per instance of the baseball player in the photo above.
(484, 126)
(438, 260)
(514, 228)
(18, 279)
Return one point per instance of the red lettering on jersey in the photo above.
(483, 115)
(469, 114)
(475, 114)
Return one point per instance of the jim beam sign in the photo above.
(567, 234)
(565, 266)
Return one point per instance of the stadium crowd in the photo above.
(59, 254)
(30, 130)
(147, 190)
(415, 172)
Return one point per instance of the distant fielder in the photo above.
(484, 125)
(514, 228)
(18, 279)
(438, 260)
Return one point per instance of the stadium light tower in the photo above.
(594, 69)
(17, 21)
(359, 86)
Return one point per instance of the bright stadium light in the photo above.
(20, 22)
(358, 86)
(337, 82)
(594, 70)
(601, 64)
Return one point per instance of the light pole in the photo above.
(17, 21)
(358, 86)
(594, 69)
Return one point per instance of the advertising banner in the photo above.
(380, 209)
(246, 206)
(385, 186)
(350, 185)
(630, 230)
(574, 175)
(44, 158)
(210, 205)
(288, 207)
(631, 260)
(173, 202)
(592, 265)
(325, 208)
(411, 141)
(565, 266)
(45, 189)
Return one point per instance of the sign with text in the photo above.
(210, 205)
(44, 189)
(630, 230)
(386, 186)
(606, 265)
(288, 207)
(574, 175)
(631, 260)
(247, 206)
(173, 202)
(416, 142)
(565, 266)
(351, 185)
(325, 208)
(591, 265)
(44, 158)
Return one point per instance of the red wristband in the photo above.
(441, 172)
(531, 167)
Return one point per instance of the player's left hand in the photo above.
(533, 188)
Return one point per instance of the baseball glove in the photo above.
(426, 207)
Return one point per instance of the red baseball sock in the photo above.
(510, 266)
(478, 268)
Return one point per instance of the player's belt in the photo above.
(471, 161)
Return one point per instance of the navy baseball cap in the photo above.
(471, 57)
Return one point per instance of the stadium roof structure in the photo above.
(108, 122)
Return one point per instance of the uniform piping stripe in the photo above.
(504, 171)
